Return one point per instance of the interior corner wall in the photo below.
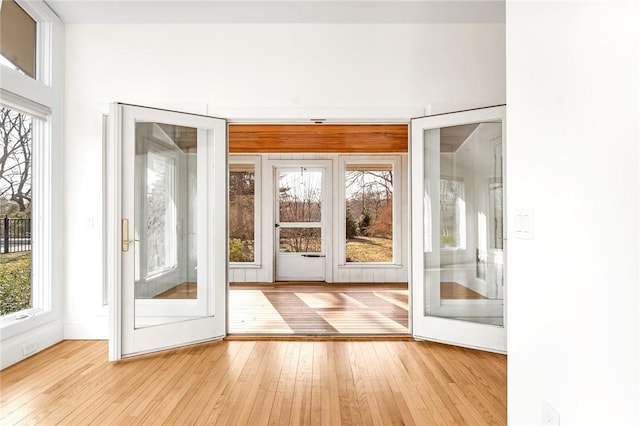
(270, 72)
(573, 160)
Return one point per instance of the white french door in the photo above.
(458, 244)
(168, 256)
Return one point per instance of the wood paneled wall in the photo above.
(319, 138)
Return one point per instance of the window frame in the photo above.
(395, 161)
(42, 100)
(256, 162)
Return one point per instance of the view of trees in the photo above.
(369, 214)
(15, 203)
(241, 214)
(300, 200)
(15, 163)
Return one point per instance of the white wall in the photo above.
(271, 72)
(572, 155)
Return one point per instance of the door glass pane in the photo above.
(165, 219)
(464, 222)
(300, 195)
(300, 240)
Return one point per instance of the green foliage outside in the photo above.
(15, 282)
(364, 222)
(240, 251)
(448, 241)
(351, 226)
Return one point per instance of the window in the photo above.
(16, 290)
(244, 210)
(32, 44)
(452, 213)
(369, 221)
(18, 38)
(161, 212)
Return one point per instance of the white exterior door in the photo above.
(168, 256)
(302, 208)
(458, 245)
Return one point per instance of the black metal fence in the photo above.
(15, 235)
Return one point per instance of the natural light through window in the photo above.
(452, 213)
(161, 211)
(369, 213)
(242, 213)
(16, 290)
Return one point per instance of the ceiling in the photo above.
(288, 11)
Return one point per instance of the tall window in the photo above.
(242, 202)
(161, 212)
(16, 290)
(369, 212)
(452, 213)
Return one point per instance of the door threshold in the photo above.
(321, 337)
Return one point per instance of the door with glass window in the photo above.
(458, 244)
(301, 211)
(170, 290)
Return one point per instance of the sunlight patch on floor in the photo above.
(253, 311)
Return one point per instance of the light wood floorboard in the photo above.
(262, 382)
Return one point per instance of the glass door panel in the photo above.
(165, 226)
(171, 288)
(300, 195)
(458, 268)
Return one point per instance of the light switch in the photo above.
(524, 224)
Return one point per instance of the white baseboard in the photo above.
(98, 329)
(30, 342)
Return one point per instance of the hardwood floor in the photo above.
(258, 383)
(318, 308)
(452, 290)
(181, 291)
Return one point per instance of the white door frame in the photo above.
(212, 166)
(269, 205)
(423, 326)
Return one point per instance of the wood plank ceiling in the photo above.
(318, 138)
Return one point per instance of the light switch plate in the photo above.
(524, 224)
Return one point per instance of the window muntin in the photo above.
(369, 194)
(242, 207)
(18, 38)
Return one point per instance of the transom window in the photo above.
(18, 38)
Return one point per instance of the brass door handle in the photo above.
(125, 235)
